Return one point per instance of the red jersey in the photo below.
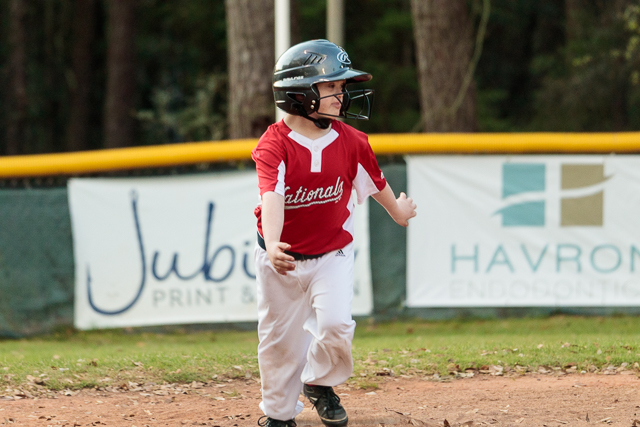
(316, 178)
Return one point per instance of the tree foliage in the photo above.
(546, 65)
(587, 83)
(182, 52)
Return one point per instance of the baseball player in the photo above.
(307, 166)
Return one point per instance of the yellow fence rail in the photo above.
(383, 144)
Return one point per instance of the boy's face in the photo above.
(331, 106)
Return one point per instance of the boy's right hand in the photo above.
(280, 260)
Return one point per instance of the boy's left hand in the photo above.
(406, 210)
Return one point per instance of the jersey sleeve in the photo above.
(369, 178)
(270, 159)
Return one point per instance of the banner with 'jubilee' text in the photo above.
(175, 250)
(496, 231)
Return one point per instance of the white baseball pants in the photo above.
(304, 326)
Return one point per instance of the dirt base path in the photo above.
(532, 400)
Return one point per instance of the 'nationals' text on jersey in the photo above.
(316, 178)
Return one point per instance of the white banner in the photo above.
(498, 231)
(175, 250)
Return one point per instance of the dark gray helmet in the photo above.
(304, 65)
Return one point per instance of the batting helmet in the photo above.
(304, 65)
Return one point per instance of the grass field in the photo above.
(115, 357)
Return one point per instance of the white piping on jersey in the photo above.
(282, 168)
(349, 223)
(364, 185)
(315, 146)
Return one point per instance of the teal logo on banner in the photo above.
(523, 185)
(518, 179)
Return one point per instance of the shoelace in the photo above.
(268, 422)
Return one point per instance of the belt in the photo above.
(295, 255)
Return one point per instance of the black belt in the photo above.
(295, 255)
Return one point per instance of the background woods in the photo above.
(89, 74)
(250, 35)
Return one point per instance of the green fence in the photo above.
(36, 261)
(37, 267)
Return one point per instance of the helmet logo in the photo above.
(344, 58)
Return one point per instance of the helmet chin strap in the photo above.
(320, 123)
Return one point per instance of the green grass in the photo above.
(517, 345)
(114, 358)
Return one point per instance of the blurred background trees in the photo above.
(119, 104)
(87, 74)
(443, 32)
(250, 45)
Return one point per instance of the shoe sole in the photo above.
(334, 423)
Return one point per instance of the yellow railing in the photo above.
(223, 151)
(125, 158)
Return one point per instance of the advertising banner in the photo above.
(496, 231)
(175, 250)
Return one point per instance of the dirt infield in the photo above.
(531, 400)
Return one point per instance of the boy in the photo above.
(307, 166)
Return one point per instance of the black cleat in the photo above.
(327, 404)
(270, 422)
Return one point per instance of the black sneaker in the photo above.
(270, 422)
(327, 404)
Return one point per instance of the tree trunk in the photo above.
(444, 47)
(119, 124)
(50, 61)
(18, 78)
(83, 38)
(250, 28)
(294, 18)
(575, 11)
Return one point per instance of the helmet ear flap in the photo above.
(297, 97)
(297, 102)
(297, 105)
